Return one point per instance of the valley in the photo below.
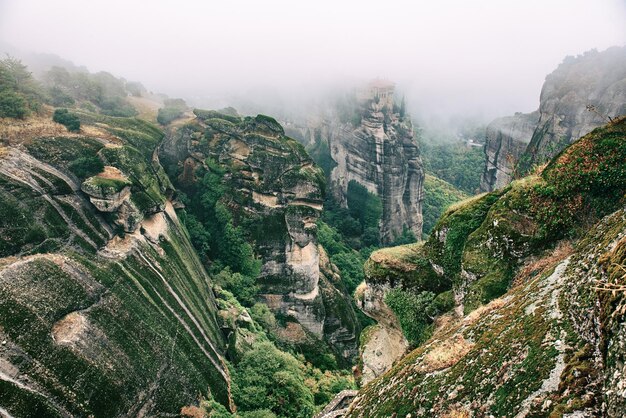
(159, 259)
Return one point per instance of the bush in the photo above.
(166, 115)
(414, 312)
(267, 378)
(12, 105)
(242, 286)
(67, 119)
(84, 167)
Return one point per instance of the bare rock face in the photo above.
(506, 140)
(275, 194)
(596, 79)
(378, 150)
(582, 94)
(340, 324)
(382, 344)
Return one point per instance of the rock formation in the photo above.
(506, 140)
(535, 322)
(595, 79)
(377, 149)
(583, 93)
(101, 314)
(275, 193)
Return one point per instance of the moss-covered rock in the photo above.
(95, 322)
(480, 245)
(550, 346)
(273, 195)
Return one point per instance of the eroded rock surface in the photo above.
(276, 193)
(377, 150)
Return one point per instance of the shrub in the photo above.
(414, 312)
(84, 167)
(12, 105)
(267, 378)
(166, 115)
(67, 119)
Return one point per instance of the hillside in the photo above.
(438, 195)
(511, 277)
(104, 306)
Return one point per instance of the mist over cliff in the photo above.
(450, 58)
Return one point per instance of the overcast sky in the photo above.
(450, 57)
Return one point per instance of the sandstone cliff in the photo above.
(506, 140)
(274, 193)
(105, 309)
(517, 143)
(377, 149)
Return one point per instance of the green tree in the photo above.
(267, 378)
(19, 92)
(12, 105)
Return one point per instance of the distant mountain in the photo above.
(584, 92)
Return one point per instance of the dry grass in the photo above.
(398, 257)
(444, 354)
(112, 173)
(456, 413)
(146, 106)
(192, 412)
(479, 312)
(292, 332)
(20, 131)
(542, 265)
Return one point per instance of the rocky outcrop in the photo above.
(94, 320)
(583, 93)
(506, 140)
(275, 194)
(544, 348)
(382, 344)
(533, 323)
(596, 79)
(377, 149)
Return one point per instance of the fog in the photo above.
(452, 59)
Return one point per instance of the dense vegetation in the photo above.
(94, 92)
(454, 162)
(20, 93)
(438, 196)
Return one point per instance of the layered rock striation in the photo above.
(101, 314)
(377, 149)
